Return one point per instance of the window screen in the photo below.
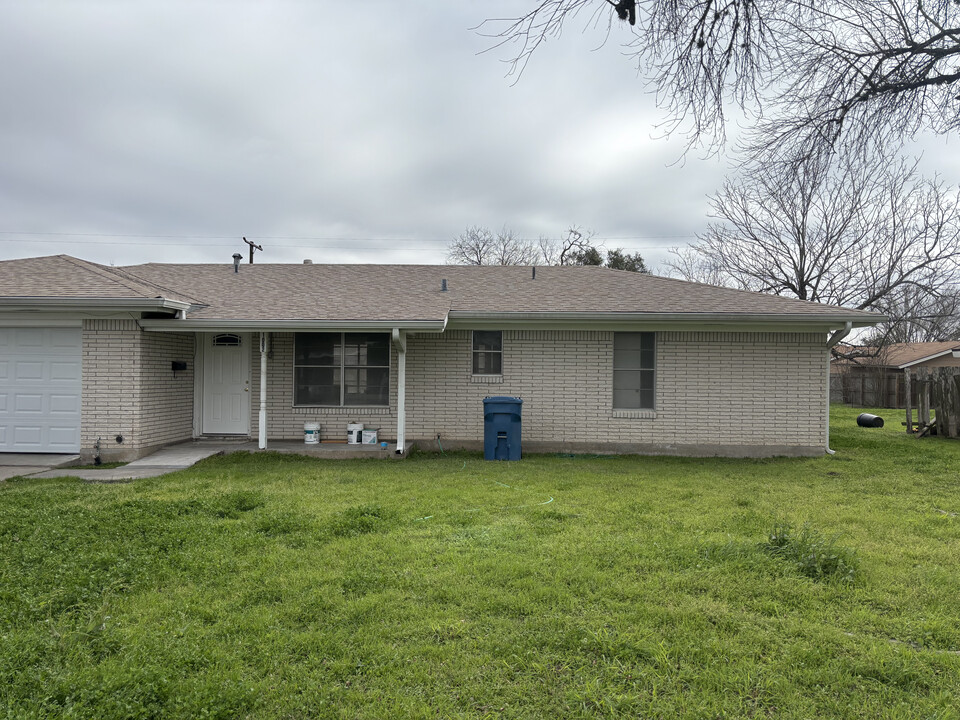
(634, 369)
(341, 369)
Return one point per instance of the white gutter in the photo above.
(436, 326)
(262, 419)
(857, 318)
(400, 342)
(40, 304)
(831, 341)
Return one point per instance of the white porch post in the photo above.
(262, 420)
(400, 342)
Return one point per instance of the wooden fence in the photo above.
(868, 389)
(937, 391)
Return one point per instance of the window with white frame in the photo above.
(487, 352)
(634, 370)
(341, 369)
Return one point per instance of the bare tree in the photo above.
(692, 266)
(812, 76)
(860, 235)
(920, 317)
(479, 246)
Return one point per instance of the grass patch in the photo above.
(269, 586)
(816, 556)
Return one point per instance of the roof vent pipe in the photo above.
(443, 285)
(534, 276)
(237, 257)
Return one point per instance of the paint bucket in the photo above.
(354, 431)
(311, 433)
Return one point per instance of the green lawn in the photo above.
(444, 586)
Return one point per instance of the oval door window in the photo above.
(226, 340)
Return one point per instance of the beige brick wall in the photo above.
(715, 392)
(111, 379)
(166, 400)
(129, 388)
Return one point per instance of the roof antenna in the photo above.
(252, 246)
(237, 257)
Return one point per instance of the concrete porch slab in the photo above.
(184, 455)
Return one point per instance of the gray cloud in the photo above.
(339, 131)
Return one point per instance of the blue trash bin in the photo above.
(501, 428)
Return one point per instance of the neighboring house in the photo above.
(877, 379)
(142, 356)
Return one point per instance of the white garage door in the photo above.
(40, 389)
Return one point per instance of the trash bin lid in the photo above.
(505, 399)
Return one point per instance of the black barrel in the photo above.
(868, 420)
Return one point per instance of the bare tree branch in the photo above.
(872, 237)
(813, 76)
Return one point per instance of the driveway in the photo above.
(16, 464)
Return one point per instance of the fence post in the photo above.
(906, 393)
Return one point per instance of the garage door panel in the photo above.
(63, 438)
(64, 404)
(64, 371)
(28, 404)
(40, 389)
(65, 338)
(27, 435)
(27, 371)
(30, 338)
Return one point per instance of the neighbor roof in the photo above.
(901, 355)
(404, 294)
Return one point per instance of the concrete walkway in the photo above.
(17, 464)
(176, 457)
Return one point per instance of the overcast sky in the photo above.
(337, 131)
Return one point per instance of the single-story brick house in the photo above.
(142, 356)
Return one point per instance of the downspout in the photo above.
(262, 420)
(400, 342)
(833, 340)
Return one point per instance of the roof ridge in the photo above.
(128, 281)
(150, 283)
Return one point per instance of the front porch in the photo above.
(325, 450)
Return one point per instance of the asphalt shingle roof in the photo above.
(407, 292)
(62, 276)
(897, 354)
(395, 292)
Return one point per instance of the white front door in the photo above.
(226, 384)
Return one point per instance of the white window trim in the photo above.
(635, 412)
(481, 378)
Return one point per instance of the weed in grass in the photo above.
(278, 523)
(363, 519)
(816, 556)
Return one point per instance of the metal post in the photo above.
(400, 342)
(264, 341)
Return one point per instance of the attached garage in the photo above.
(40, 385)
